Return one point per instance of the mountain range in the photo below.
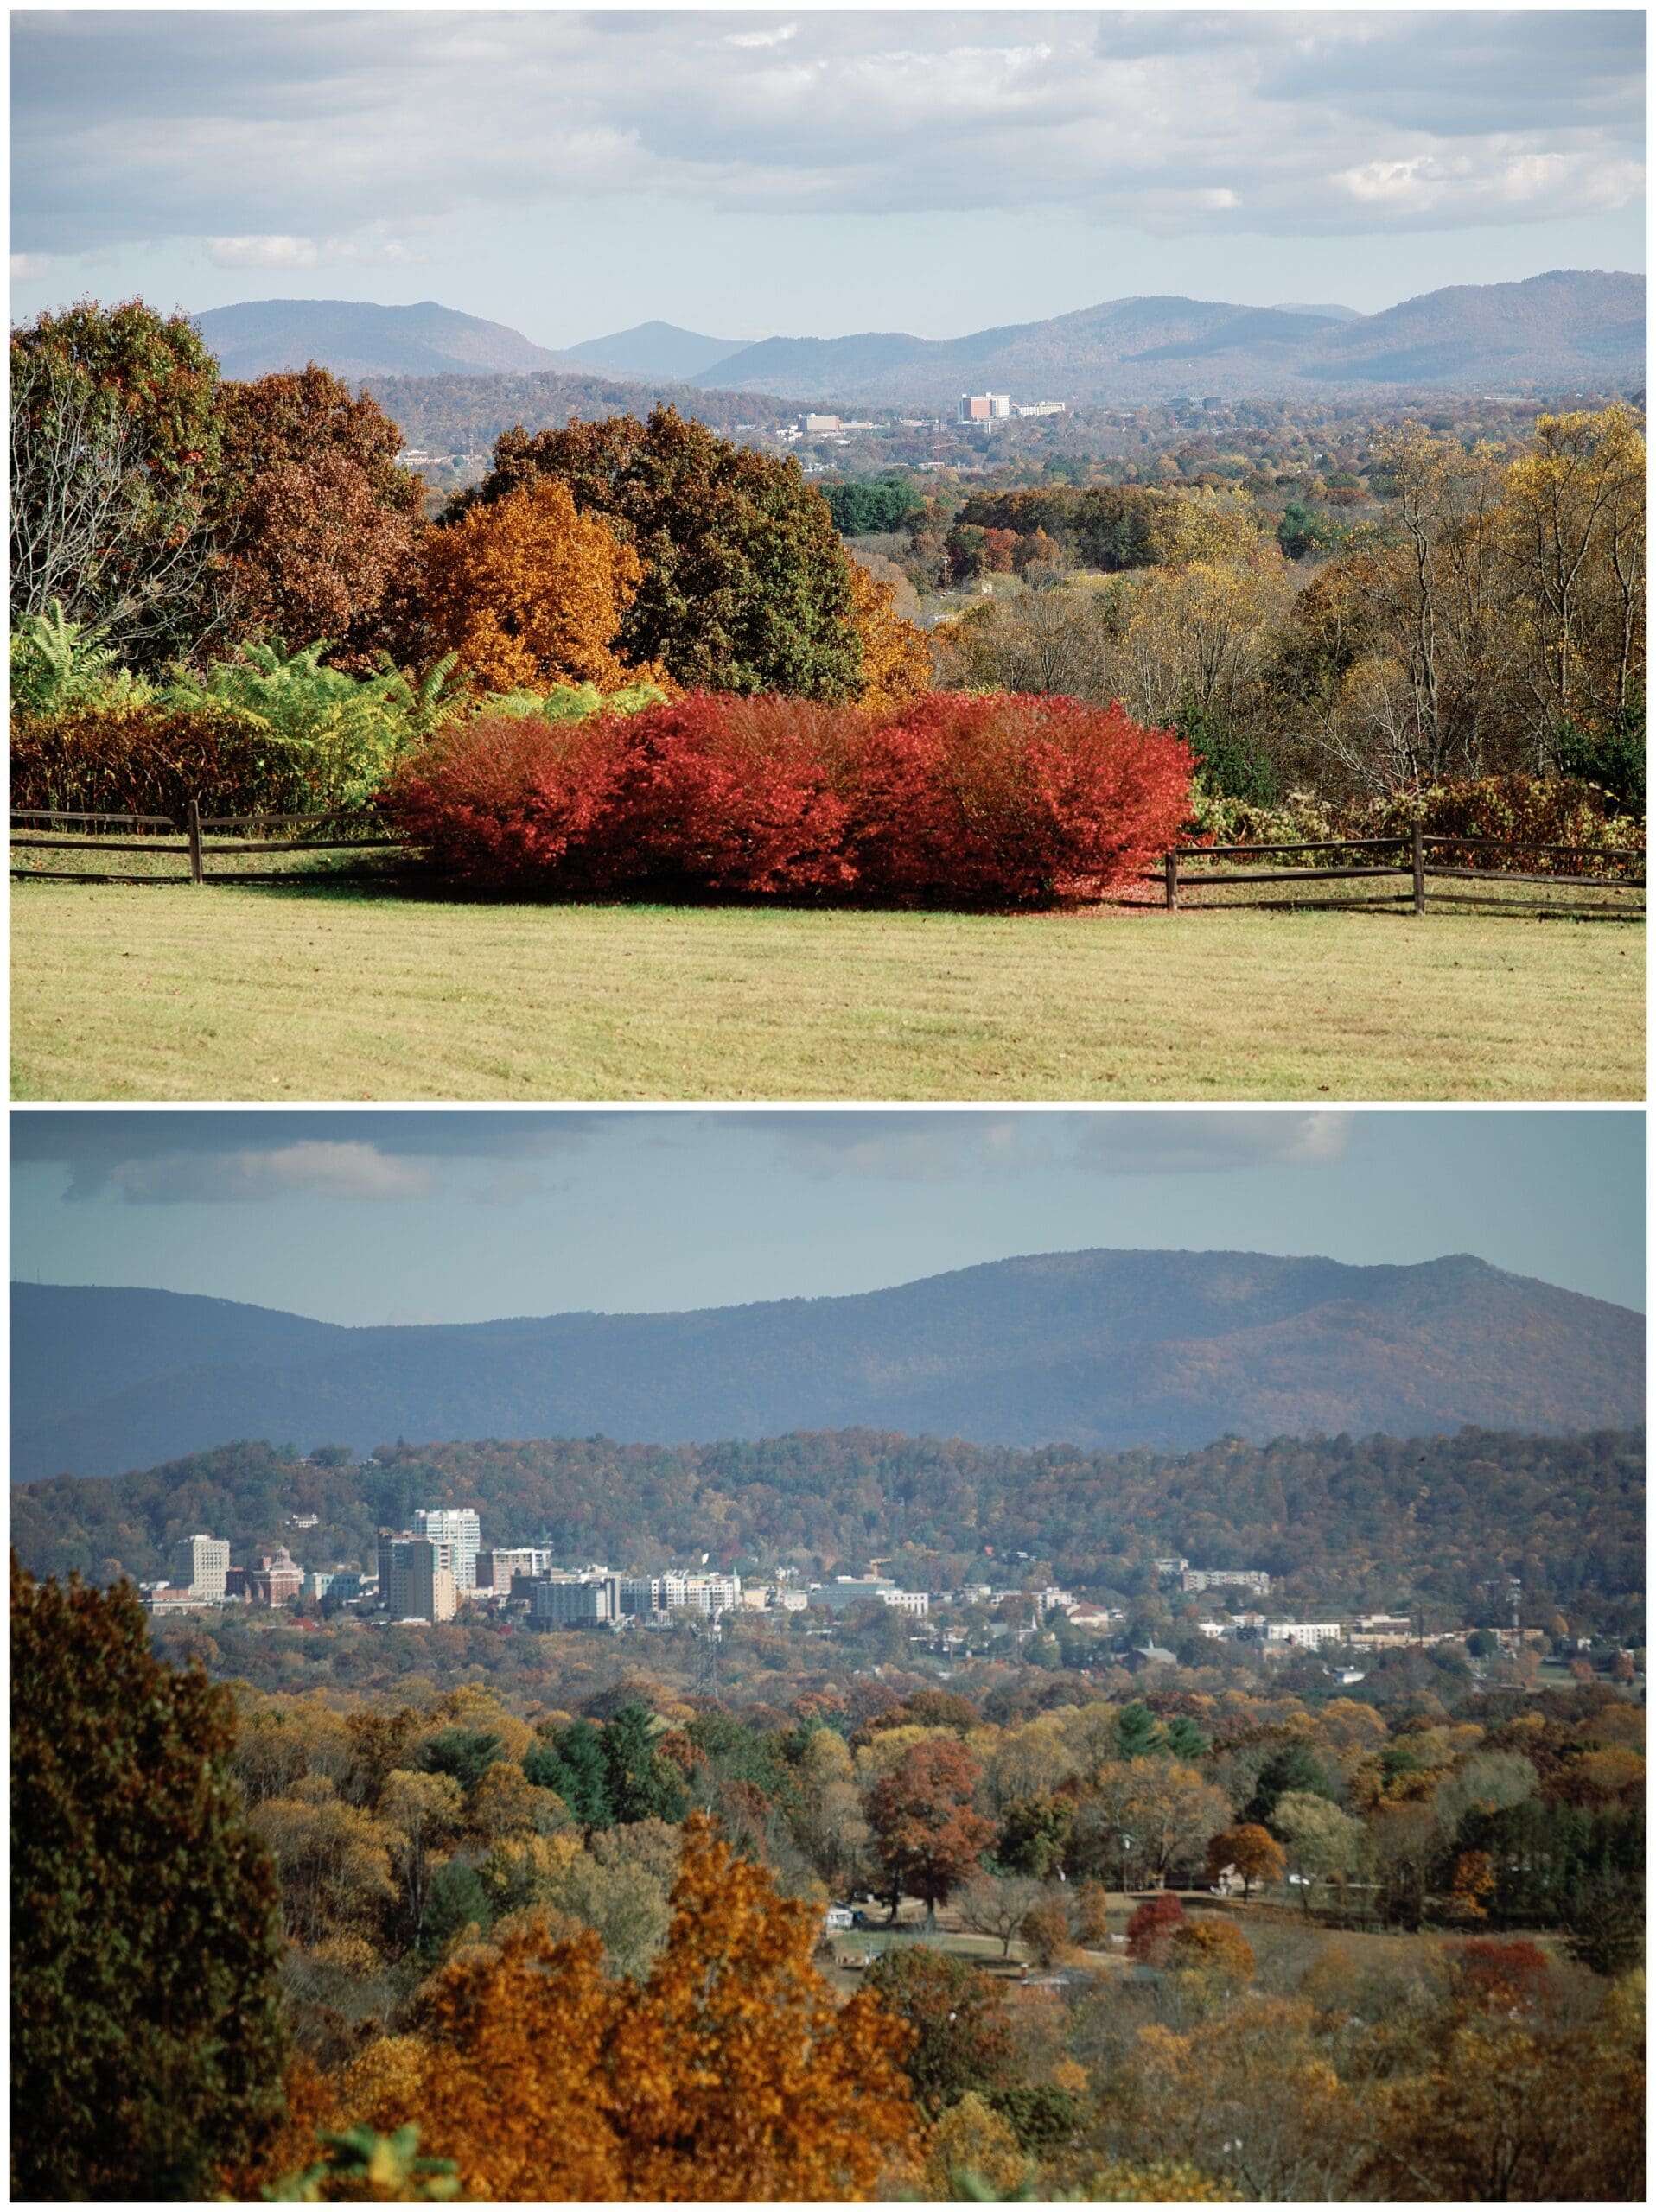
(1567, 329)
(1103, 1349)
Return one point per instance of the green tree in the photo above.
(574, 1766)
(642, 1785)
(455, 1901)
(962, 2029)
(467, 1754)
(1293, 1768)
(745, 586)
(115, 448)
(147, 2043)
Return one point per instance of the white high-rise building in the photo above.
(422, 1586)
(202, 1563)
(457, 1527)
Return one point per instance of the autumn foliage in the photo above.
(730, 2074)
(948, 800)
(529, 592)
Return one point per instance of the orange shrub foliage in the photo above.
(896, 658)
(529, 592)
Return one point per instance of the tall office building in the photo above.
(457, 1526)
(422, 1581)
(201, 1563)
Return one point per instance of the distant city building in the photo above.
(496, 1570)
(1052, 1600)
(171, 1598)
(456, 1526)
(984, 407)
(1226, 1578)
(201, 1564)
(850, 1589)
(1309, 1634)
(1174, 1563)
(276, 1581)
(670, 1593)
(808, 424)
(576, 1601)
(1041, 407)
(422, 1581)
(302, 1520)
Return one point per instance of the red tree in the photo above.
(1152, 1928)
(927, 1835)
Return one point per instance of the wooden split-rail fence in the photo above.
(1419, 857)
(158, 836)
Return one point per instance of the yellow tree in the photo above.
(529, 592)
(1575, 513)
(896, 658)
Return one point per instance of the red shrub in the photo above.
(1152, 1928)
(957, 800)
(725, 793)
(1511, 1978)
(502, 800)
(1011, 799)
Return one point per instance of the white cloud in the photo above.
(314, 1170)
(1171, 1142)
(25, 265)
(311, 128)
(274, 251)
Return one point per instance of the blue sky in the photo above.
(573, 172)
(373, 1216)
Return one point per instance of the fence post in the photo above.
(197, 874)
(1172, 881)
(1418, 855)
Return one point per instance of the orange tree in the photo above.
(528, 592)
(1251, 1850)
(729, 2074)
(928, 1837)
(896, 658)
(146, 2034)
(745, 586)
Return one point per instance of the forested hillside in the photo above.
(1343, 1522)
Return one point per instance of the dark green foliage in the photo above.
(1033, 1831)
(1042, 2118)
(642, 1785)
(1606, 1921)
(861, 510)
(1231, 766)
(467, 1754)
(746, 587)
(1613, 759)
(1185, 1741)
(1138, 1732)
(1547, 1857)
(1310, 531)
(576, 1768)
(963, 2032)
(1292, 1769)
(147, 2041)
(457, 1901)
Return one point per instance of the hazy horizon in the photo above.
(373, 1218)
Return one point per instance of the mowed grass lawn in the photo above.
(238, 992)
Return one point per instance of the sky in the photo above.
(810, 173)
(373, 1217)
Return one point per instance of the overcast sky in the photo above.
(572, 172)
(375, 1216)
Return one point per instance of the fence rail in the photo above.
(1414, 850)
(195, 845)
(196, 849)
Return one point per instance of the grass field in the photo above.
(236, 992)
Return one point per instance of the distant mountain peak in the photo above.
(1102, 1348)
(358, 338)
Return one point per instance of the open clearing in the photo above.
(235, 992)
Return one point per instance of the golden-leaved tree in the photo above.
(529, 592)
(730, 2073)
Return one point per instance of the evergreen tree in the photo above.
(147, 2043)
